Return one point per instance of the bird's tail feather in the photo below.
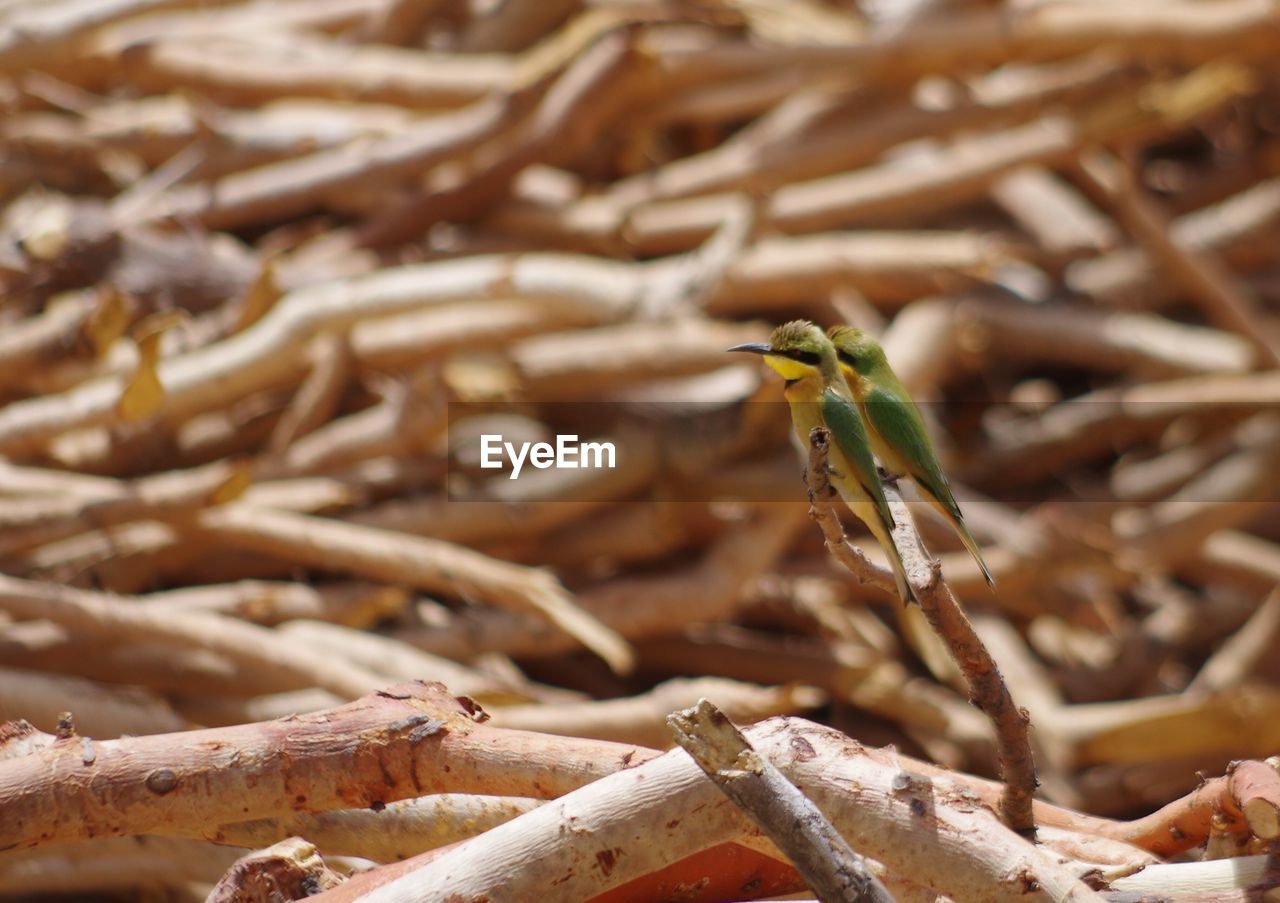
(911, 620)
(905, 592)
(958, 524)
(884, 536)
(972, 545)
(927, 645)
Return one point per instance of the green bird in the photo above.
(818, 396)
(897, 431)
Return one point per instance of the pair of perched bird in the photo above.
(841, 380)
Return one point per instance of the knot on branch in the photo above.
(817, 477)
(933, 575)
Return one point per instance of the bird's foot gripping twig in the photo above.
(887, 477)
(987, 689)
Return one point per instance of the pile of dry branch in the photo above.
(257, 256)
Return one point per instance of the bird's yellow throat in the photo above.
(787, 368)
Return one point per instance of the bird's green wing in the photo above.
(848, 432)
(894, 416)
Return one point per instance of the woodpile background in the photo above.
(255, 257)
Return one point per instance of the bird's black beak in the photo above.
(753, 347)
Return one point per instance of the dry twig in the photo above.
(829, 867)
(987, 689)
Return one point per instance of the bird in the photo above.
(818, 395)
(896, 429)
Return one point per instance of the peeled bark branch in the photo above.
(402, 742)
(565, 844)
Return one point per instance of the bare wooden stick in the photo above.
(265, 602)
(1243, 652)
(257, 648)
(291, 187)
(637, 606)
(1150, 345)
(27, 523)
(1087, 424)
(1181, 725)
(1234, 880)
(987, 689)
(35, 341)
(402, 829)
(116, 864)
(668, 802)
(639, 719)
(416, 561)
(272, 351)
(1225, 301)
(1255, 787)
(800, 138)
(247, 69)
(326, 16)
(787, 816)
(478, 758)
(206, 710)
(318, 395)
(292, 869)
(399, 425)
(963, 171)
(398, 661)
(722, 871)
(38, 35)
(1060, 220)
(99, 709)
(411, 739)
(1131, 278)
(515, 25)
(1183, 30)
(567, 119)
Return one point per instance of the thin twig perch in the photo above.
(987, 689)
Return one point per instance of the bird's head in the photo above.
(796, 349)
(855, 349)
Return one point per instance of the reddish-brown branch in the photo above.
(406, 741)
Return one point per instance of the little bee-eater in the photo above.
(818, 396)
(897, 431)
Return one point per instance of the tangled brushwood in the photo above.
(273, 273)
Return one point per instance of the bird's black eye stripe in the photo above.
(849, 360)
(805, 357)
